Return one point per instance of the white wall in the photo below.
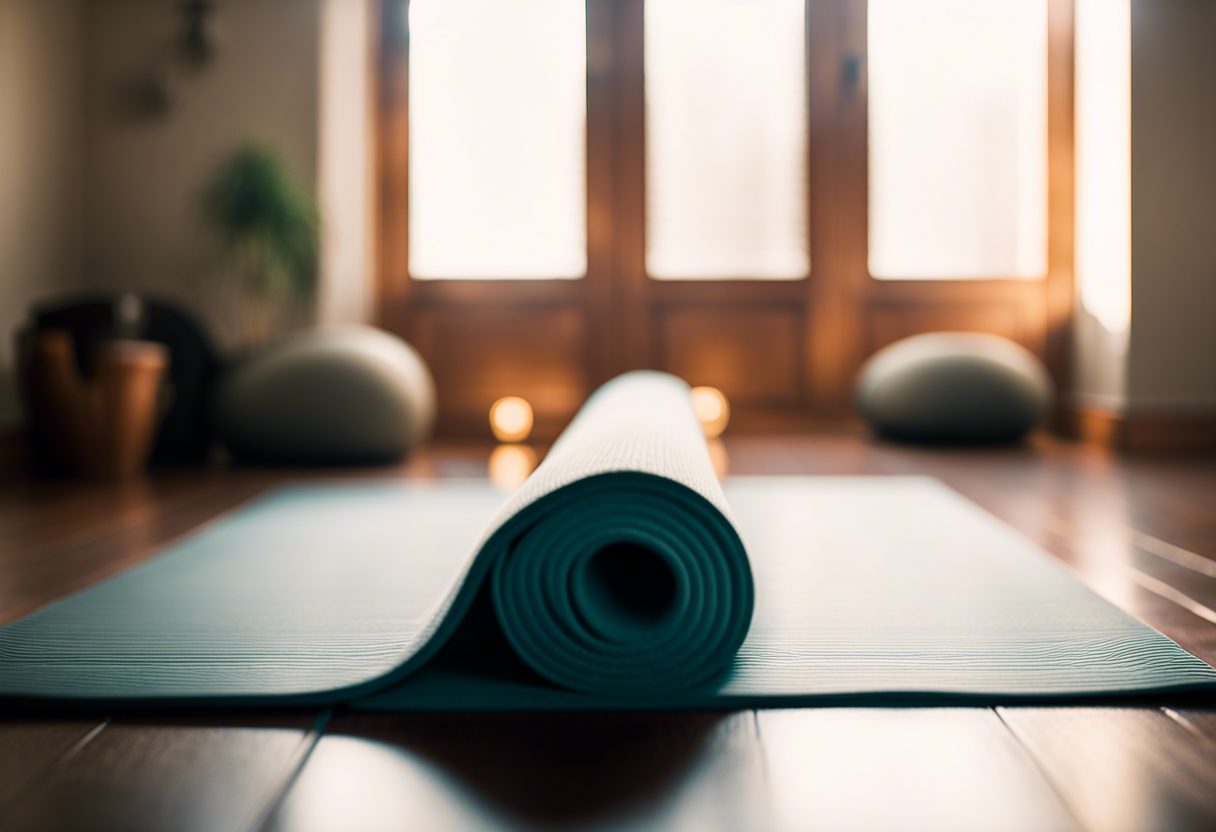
(346, 161)
(89, 198)
(41, 96)
(1103, 190)
(144, 176)
(93, 199)
(1146, 317)
(1172, 353)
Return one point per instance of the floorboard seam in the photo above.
(1185, 723)
(78, 746)
(1048, 780)
(1169, 593)
(1173, 554)
(765, 781)
(308, 744)
(43, 775)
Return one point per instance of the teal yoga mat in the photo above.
(616, 577)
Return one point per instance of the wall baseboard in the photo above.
(1191, 432)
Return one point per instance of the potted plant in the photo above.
(269, 227)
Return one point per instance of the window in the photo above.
(726, 139)
(497, 115)
(958, 138)
(570, 190)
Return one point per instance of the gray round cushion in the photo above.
(953, 387)
(340, 395)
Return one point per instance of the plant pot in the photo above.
(102, 427)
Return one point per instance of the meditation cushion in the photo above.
(343, 395)
(953, 387)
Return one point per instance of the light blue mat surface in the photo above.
(616, 577)
(863, 586)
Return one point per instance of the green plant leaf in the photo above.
(268, 222)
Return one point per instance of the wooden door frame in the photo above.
(843, 312)
(1041, 309)
(642, 301)
(405, 305)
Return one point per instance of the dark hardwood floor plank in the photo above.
(1099, 547)
(1174, 554)
(524, 771)
(28, 750)
(136, 776)
(43, 514)
(29, 580)
(1163, 497)
(1122, 769)
(935, 770)
(1141, 531)
(1093, 538)
(1142, 596)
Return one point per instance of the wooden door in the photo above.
(785, 352)
(545, 340)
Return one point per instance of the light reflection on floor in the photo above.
(718, 457)
(510, 465)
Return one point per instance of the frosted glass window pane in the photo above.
(726, 139)
(497, 120)
(958, 138)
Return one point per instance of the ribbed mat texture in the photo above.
(615, 577)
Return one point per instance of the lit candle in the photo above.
(511, 419)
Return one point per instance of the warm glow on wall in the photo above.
(1103, 125)
(511, 419)
(712, 409)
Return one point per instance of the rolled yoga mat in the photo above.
(616, 568)
(614, 578)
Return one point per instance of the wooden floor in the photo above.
(1140, 531)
